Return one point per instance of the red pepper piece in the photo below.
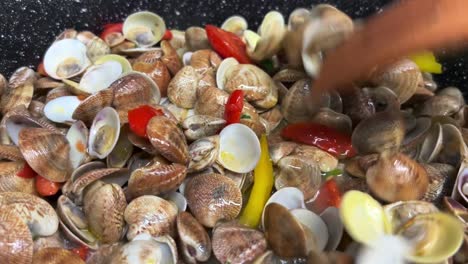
(321, 136)
(233, 108)
(111, 28)
(45, 187)
(41, 70)
(81, 251)
(328, 195)
(227, 44)
(139, 117)
(167, 35)
(27, 172)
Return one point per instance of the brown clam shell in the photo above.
(294, 105)
(20, 90)
(168, 139)
(441, 181)
(211, 101)
(357, 104)
(156, 179)
(104, 208)
(289, 75)
(170, 58)
(57, 92)
(55, 240)
(56, 256)
(150, 57)
(16, 239)
(255, 83)
(200, 60)
(235, 243)
(36, 108)
(47, 83)
(131, 91)
(196, 39)
(403, 77)
(48, 153)
(157, 71)
(152, 215)
(194, 241)
(182, 89)
(3, 84)
(330, 118)
(96, 48)
(10, 182)
(10, 152)
(397, 178)
(441, 105)
(89, 107)
(212, 197)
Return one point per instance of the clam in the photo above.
(144, 28)
(330, 118)
(16, 241)
(402, 77)
(213, 197)
(56, 255)
(151, 215)
(104, 133)
(211, 101)
(381, 133)
(87, 109)
(47, 152)
(267, 258)
(10, 182)
(235, 24)
(98, 77)
(55, 240)
(280, 150)
(96, 48)
(68, 33)
(61, 109)
(133, 90)
(77, 137)
(122, 151)
(196, 39)
(221, 72)
(179, 113)
(400, 213)
(397, 178)
(289, 75)
(272, 118)
(331, 217)
(178, 199)
(432, 144)
(288, 197)
(10, 152)
(36, 108)
(327, 28)
(85, 36)
(171, 58)
(294, 103)
(298, 17)
(417, 134)
(65, 59)
(124, 63)
(235, 243)
(146, 249)
(157, 71)
(156, 179)
(195, 243)
(200, 126)
(441, 105)
(20, 90)
(239, 148)
(358, 105)
(57, 92)
(461, 184)
(182, 89)
(454, 149)
(204, 60)
(168, 139)
(271, 33)
(203, 153)
(325, 161)
(114, 38)
(3, 84)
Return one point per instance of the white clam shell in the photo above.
(235, 24)
(239, 148)
(288, 197)
(106, 118)
(222, 69)
(315, 224)
(126, 66)
(77, 137)
(179, 200)
(331, 217)
(312, 64)
(100, 77)
(14, 127)
(146, 249)
(60, 110)
(144, 28)
(187, 57)
(66, 50)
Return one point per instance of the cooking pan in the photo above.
(28, 27)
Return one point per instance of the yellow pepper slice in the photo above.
(261, 190)
(427, 62)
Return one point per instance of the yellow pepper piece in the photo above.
(261, 190)
(427, 62)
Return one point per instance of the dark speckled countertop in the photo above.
(27, 27)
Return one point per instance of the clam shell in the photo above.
(441, 105)
(211, 102)
(203, 153)
(255, 83)
(432, 144)
(144, 28)
(10, 182)
(235, 24)
(331, 217)
(323, 159)
(77, 137)
(200, 126)
(65, 59)
(171, 58)
(280, 150)
(20, 90)
(196, 38)
(168, 139)
(182, 89)
(400, 213)
(48, 153)
(36, 108)
(235, 243)
(213, 197)
(195, 244)
(288, 197)
(60, 110)
(330, 118)
(16, 241)
(100, 77)
(441, 180)
(157, 71)
(151, 215)
(87, 110)
(225, 65)
(294, 102)
(55, 255)
(124, 63)
(122, 151)
(178, 199)
(10, 152)
(104, 133)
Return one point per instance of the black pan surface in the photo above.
(27, 27)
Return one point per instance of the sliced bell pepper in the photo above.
(427, 62)
(167, 35)
(45, 187)
(328, 195)
(26, 172)
(321, 136)
(233, 108)
(139, 117)
(261, 190)
(227, 44)
(81, 251)
(111, 28)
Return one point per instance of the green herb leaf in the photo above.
(244, 116)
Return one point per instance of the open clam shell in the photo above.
(65, 59)
(331, 217)
(192, 235)
(288, 197)
(401, 212)
(144, 28)
(461, 185)
(122, 151)
(61, 109)
(221, 72)
(98, 77)
(235, 24)
(77, 137)
(315, 224)
(239, 148)
(124, 63)
(104, 133)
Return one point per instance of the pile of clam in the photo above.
(176, 195)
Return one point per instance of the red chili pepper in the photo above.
(26, 172)
(167, 35)
(41, 69)
(227, 44)
(233, 108)
(321, 136)
(328, 195)
(81, 251)
(45, 187)
(139, 117)
(111, 28)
